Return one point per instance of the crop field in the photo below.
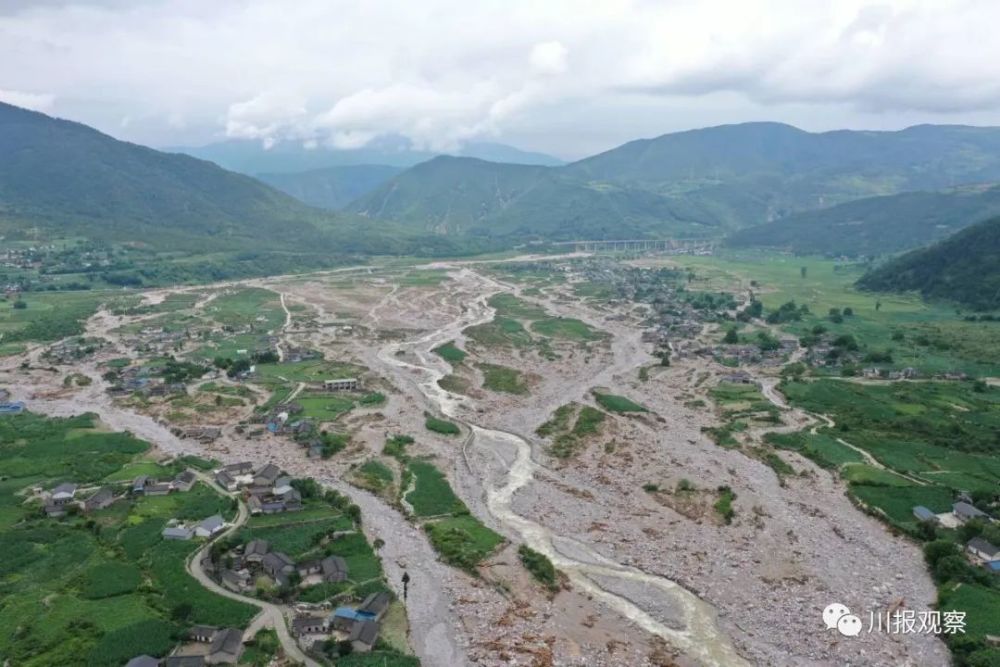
(295, 538)
(462, 540)
(47, 316)
(616, 403)
(251, 306)
(569, 427)
(75, 593)
(315, 370)
(451, 353)
(501, 332)
(502, 378)
(942, 436)
(442, 426)
(431, 494)
(930, 337)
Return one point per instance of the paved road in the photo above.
(270, 615)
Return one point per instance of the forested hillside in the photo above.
(874, 226)
(964, 268)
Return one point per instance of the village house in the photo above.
(177, 533)
(334, 569)
(184, 661)
(308, 625)
(344, 618)
(235, 580)
(983, 550)
(738, 377)
(266, 476)
(279, 566)
(226, 481)
(15, 408)
(255, 550)
(202, 633)
(143, 661)
(923, 514)
(226, 647)
(63, 494)
(341, 384)
(210, 526)
(376, 605)
(184, 481)
(101, 499)
(203, 434)
(154, 488)
(363, 636)
(139, 484)
(964, 512)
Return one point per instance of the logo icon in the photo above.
(838, 616)
(849, 625)
(833, 613)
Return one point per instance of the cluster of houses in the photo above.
(206, 645)
(138, 380)
(268, 489)
(739, 353)
(63, 498)
(244, 564)
(72, 350)
(203, 434)
(982, 551)
(909, 373)
(359, 625)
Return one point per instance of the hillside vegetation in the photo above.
(964, 268)
(876, 225)
(698, 183)
(333, 187)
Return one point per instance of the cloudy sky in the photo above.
(566, 77)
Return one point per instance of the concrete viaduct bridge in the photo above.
(678, 246)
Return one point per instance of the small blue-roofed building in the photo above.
(993, 566)
(15, 408)
(924, 514)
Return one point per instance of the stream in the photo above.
(614, 584)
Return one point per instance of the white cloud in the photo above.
(549, 57)
(440, 73)
(33, 101)
(268, 116)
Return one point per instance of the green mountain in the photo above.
(876, 225)
(333, 187)
(702, 182)
(468, 197)
(964, 268)
(66, 178)
(799, 169)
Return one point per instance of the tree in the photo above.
(803, 270)
(20, 305)
(354, 514)
(378, 543)
(848, 312)
(181, 612)
(731, 337)
(938, 549)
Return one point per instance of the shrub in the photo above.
(540, 567)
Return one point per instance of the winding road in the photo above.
(270, 615)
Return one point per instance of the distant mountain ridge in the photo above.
(251, 158)
(333, 187)
(66, 177)
(705, 182)
(964, 268)
(875, 226)
(464, 196)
